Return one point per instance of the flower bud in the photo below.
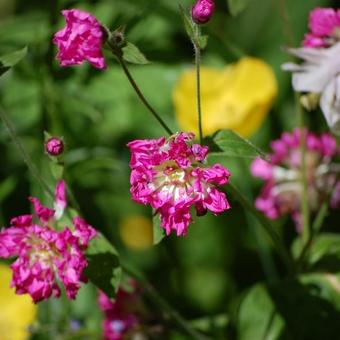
(54, 146)
(202, 11)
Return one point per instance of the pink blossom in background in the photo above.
(44, 255)
(121, 314)
(170, 175)
(323, 25)
(81, 40)
(281, 193)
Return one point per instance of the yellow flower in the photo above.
(17, 312)
(136, 232)
(237, 97)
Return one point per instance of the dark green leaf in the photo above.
(132, 54)
(231, 144)
(237, 6)
(9, 60)
(103, 265)
(158, 232)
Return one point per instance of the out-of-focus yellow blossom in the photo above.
(17, 312)
(237, 97)
(136, 232)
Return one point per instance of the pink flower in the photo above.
(121, 315)
(323, 25)
(44, 255)
(54, 146)
(202, 11)
(80, 40)
(281, 193)
(170, 176)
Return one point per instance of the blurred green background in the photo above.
(207, 273)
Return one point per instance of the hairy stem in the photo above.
(141, 96)
(198, 89)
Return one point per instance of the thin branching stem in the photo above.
(141, 96)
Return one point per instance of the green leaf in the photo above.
(229, 143)
(158, 231)
(303, 308)
(325, 253)
(132, 54)
(103, 268)
(190, 27)
(237, 6)
(9, 60)
(203, 41)
(258, 318)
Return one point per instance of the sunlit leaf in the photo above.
(231, 144)
(132, 54)
(158, 232)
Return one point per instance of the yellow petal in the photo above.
(136, 232)
(237, 97)
(17, 312)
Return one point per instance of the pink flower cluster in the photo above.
(170, 176)
(281, 193)
(80, 40)
(324, 25)
(44, 255)
(120, 315)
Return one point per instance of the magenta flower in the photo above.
(202, 11)
(54, 146)
(121, 315)
(324, 25)
(44, 255)
(82, 39)
(171, 176)
(281, 193)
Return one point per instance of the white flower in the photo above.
(319, 73)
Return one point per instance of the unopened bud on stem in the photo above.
(54, 146)
(202, 11)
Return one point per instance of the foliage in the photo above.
(225, 275)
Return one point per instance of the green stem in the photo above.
(162, 303)
(278, 243)
(27, 159)
(198, 89)
(141, 96)
(306, 226)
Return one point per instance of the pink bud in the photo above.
(202, 11)
(54, 146)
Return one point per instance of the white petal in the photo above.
(330, 104)
(318, 70)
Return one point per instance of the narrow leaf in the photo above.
(132, 54)
(103, 265)
(231, 144)
(190, 27)
(9, 60)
